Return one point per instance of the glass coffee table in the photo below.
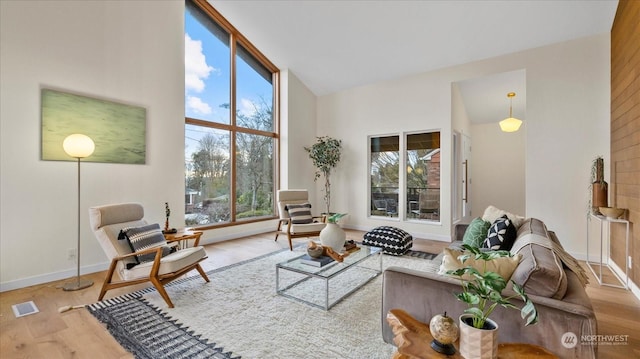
(324, 287)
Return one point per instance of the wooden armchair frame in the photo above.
(107, 221)
(158, 280)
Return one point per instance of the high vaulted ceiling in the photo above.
(335, 45)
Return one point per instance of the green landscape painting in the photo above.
(118, 130)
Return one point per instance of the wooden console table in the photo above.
(413, 339)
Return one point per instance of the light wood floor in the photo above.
(77, 334)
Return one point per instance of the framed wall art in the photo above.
(118, 130)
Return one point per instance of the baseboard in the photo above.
(633, 288)
(51, 277)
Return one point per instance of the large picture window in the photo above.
(230, 123)
(405, 176)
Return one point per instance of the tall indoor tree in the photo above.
(325, 154)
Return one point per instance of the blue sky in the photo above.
(207, 67)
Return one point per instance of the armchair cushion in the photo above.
(299, 213)
(168, 264)
(145, 237)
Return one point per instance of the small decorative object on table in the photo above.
(445, 332)
(167, 212)
(314, 250)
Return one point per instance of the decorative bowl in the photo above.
(611, 212)
(315, 252)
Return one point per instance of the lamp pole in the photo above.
(78, 146)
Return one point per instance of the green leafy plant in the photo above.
(483, 293)
(325, 154)
(334, 218)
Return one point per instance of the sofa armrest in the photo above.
(425, 294)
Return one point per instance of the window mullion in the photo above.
(232, 145)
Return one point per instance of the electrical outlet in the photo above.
(71, 254)
(630, 262)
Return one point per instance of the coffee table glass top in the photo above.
(324, 287)
(332, 268)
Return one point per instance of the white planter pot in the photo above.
(478, 343)
(333, 236)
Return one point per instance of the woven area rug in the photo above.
(239, 315)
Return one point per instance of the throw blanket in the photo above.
(553, 244)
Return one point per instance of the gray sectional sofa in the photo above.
(558, 293)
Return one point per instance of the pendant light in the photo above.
(510, 124)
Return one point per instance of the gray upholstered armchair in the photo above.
(161, 264)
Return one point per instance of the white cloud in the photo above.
(195, 65)
(197, 105)
(247, 107)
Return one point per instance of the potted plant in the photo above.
(332, 235)
(325, 154)
(483, 293)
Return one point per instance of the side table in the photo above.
(413, 339)
(606, 222)
(182, 236)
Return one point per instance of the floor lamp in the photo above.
(78, 146)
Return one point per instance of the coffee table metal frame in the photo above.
(327, 273)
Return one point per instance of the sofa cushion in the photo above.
(392, 240)
(540, 271)
(300, 213)
(502, 265)
(492, 213)
(476, 232)
(501, 235)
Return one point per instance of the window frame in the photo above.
(402, 211)
(235, 38)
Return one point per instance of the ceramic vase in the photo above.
(333, 236)
(478, 343)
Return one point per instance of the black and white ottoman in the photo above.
(392, 240)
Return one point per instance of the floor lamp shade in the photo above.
(78, 146)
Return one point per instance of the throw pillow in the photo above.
(504, 266)
(476, 232)
(501, 235)
(144, 237)
(492, 213)
(299, 213)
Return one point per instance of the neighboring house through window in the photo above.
(411, 194)
(231, 136)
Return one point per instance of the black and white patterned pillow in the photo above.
(299, 213)
(501, 235)
(392, 240)
(149, 236)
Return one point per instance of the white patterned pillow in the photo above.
(299, 213)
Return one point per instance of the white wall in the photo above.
(132, 52)
(567, 125)
(497, 167)
(297, 130)
(100, 49)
